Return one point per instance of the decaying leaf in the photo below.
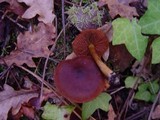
(30, 45)
(43, 8)
(108, 30)
(111, 113)
(117, 8)
(14, 6)
(11, 99)
(120, 57)
(155, 114)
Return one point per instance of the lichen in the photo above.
(85, 17)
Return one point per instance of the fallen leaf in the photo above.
(119, 57)
(108, 30)
(150, 21)
(54, 112)
(14, 6)
(118, 8)
(43, 8)
(102, 102)
(31, 45)
(11, 99)
(28, 111)
(155, 114)
(71, 56)
(111, 113)
(127, 2)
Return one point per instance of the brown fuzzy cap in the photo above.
(79, 79)
(94, 36)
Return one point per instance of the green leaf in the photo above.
(150, 21)
(156, 51)
(130, 81)
(153, 97)
(153, 87)
(54, 112)
(143, 87)
(143, 95)
(102, 102)
(129, 33)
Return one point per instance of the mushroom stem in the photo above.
(103, 67)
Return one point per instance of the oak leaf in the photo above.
(43, 8)
(117, 8)
(155, 113)
(32, 44)
(11, 99)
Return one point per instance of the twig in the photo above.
(117, 90)
(71, 3)
(125, 106)
(138, 114)
(153, 106)
(54, 45)
(64, 29)
(43, 77)
(14, 21)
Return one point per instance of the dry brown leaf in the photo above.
(127, 2)
(30, 45)
(156, 113)
(71, 56)
(111, 113)
(11, 99)
(120, 57)
(14, 6)
(108, 30)
(43, 8)
(28, 111)
(117, 8)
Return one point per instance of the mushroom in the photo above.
(93, 42)
(79, 79)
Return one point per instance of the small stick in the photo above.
(153, 106)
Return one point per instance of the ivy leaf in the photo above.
(153, 87)
(129, 33)
(102, 102)
(130, 81)
(54, 112)
(143, 87)
(143, 95)
(156, 51)
(150, 21)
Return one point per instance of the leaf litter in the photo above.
(35, 43)
(31, 45)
